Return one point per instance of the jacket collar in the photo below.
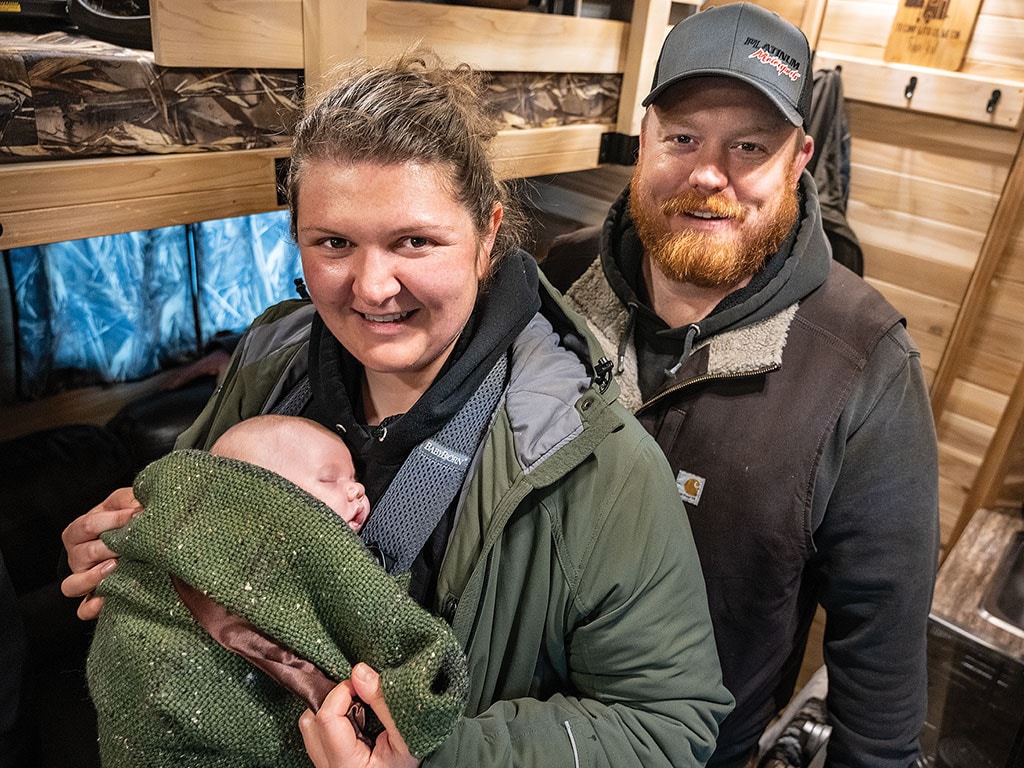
(743, 350)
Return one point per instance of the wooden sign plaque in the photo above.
(932, 33)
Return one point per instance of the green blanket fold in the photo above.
(167, 694)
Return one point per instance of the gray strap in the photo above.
(297, 399)
(430, 478)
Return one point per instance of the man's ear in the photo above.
(804, 153)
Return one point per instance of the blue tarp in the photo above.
(117, 308)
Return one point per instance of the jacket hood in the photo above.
(800, 266)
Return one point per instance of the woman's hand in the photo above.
(332, 742)
(88, 556)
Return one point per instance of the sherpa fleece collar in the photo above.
(749, 348)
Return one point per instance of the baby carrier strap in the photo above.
(430, 478)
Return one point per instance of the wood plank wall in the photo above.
(924, 191)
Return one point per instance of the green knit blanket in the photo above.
(167, 694)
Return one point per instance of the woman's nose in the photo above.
(373, 278)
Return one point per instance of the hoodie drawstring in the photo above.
(691, 334)
(627, 334)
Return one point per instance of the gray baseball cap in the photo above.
(743, 41)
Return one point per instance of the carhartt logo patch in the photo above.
(690, 486)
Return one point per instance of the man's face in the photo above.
(715, 187)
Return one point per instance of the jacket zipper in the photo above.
(700, 380)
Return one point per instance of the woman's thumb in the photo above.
(367, 687)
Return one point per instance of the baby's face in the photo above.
(325, 470)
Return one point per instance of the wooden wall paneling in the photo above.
(861, 28)
(1003, 337)
(990, 362)
(333, 31)
(1000, 235)
(522, 153)
(966, 436)
(499, 40)
(934, 136)
(978, 402)
(791, 10)
(988, 369)
(1006, 302)
(856, 27)
(988, 484)
(228, 33)
(927, 238)
(996, 42)
(942, 280)
(1006, 8)
(811, 20)
(953, 203)
(959, 468)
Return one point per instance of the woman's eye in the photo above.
(336, 242)
(418, 242)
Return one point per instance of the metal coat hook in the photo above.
(908, 91)
(993, 100)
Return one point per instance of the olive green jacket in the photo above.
(570, 579)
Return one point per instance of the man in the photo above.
(784, 390)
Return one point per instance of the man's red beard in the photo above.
(706, 260)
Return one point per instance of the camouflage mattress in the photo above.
(63, 95)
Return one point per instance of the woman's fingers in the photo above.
(330, 739)
(390, 748)
(82, 584)
(89, 558)
(81, 537)
(89, 607)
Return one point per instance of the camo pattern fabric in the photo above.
(64, 95)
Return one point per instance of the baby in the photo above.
(243, 595)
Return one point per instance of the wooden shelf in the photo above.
(50, 201)
(242, 33)
(935, 91)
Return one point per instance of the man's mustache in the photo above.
(692, 202)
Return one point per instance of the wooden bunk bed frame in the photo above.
(52, 201)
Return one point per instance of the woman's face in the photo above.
(392, 262)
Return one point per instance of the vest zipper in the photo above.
(700, 380)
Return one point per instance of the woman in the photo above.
(563, 559)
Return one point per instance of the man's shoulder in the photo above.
(847, 307)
